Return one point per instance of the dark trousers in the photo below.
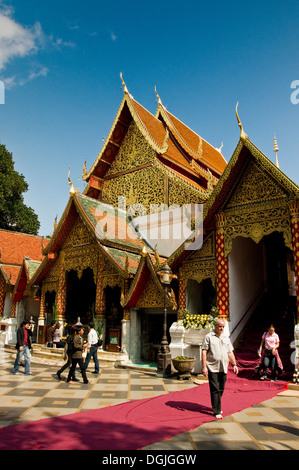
(65, 366)
(217, 383)
(269, 361)
(73, 368)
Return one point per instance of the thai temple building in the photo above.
(101, 265)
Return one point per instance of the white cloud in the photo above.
(14, 80)
(16, 40)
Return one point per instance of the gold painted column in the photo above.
(222, 269)
(294, 212)
(100, 295)
(41, 316)
(182, 294)
(2, 295)
(127, 311)
(61, 294)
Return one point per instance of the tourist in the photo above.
(23, 347)
(57, 335)
(92, 348)
(50, 334)
(268, 351)
(77, 355)
(68, 352)
(217, 352)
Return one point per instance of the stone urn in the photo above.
(184, 366)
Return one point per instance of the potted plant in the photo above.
(197, 325)
(183, 365)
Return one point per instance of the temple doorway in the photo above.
(258, 272)
(80, 296)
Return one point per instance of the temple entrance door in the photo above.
(80, 296)
(257, 270)
(276, 266)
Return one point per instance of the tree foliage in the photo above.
(14, 214)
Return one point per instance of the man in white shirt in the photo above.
(92, 348)
(217, 352)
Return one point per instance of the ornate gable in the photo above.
(257, 205)
(255, 186)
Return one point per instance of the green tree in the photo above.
(14, 214)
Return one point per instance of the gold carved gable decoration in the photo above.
(152, 297)
(81, 250)
(255, 186)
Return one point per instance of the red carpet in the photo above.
(135, 424)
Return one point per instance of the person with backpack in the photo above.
(68, 352)
(92, 345)
(77, 356)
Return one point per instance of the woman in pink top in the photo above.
(270, 357)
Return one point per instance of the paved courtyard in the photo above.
(273, 424)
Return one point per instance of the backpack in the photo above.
(69, 347)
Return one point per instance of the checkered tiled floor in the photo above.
(273, 424)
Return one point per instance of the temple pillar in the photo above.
(61, 294)
(41, 316)
(221, 269)
(2, 295)
(99, 308)
(294, 213)
(126, 321)
(182, 295)
(13, 309)
(100, 295)
(41, 327)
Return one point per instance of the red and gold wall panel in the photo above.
(182, 294)
(2, 294)
(294, 211)
(221, 269)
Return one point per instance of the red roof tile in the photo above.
(14, 246)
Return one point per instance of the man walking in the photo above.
(217, 352)
(77, 356)
(23, 347)
(92, 348)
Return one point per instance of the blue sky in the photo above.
(60, 63)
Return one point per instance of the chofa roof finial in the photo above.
(243, 136)
(72, 190)
(123, 84)
(158, 97)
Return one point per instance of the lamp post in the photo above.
(164, 355)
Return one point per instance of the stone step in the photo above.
(56, 354)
